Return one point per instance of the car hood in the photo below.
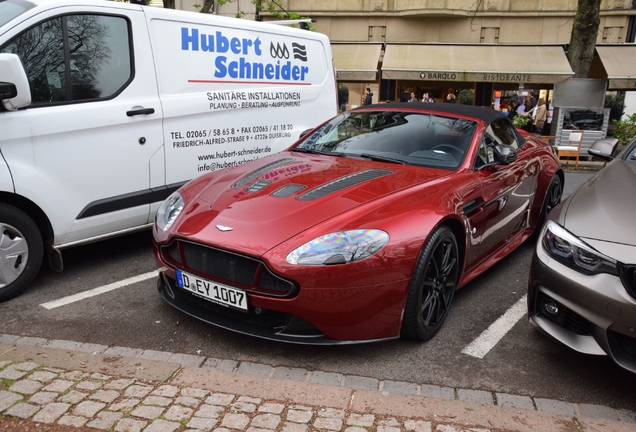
(603, 208)
(256, 206)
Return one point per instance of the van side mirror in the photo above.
(305, 132)
(14, 85)
(504, 154)
(603, 149)
(7, 91)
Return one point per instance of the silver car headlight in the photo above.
(339, 248)
(169, 211)
(573, 252)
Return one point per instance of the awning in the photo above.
(619, 62)
(477, 63)
(356, 62)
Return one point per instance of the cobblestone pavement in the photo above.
(97, 387)
(52, 395)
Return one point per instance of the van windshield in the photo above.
(10, 9)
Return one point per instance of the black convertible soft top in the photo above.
(488, 115)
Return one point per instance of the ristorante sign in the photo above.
(494, 77)
(484, 77)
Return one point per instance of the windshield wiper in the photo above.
(320, 152)
(377, 158)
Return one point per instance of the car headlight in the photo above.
(169, 211)
(571, 251)
(339, 248)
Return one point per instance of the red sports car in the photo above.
(360, 231)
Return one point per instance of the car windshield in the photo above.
(394, 136)
(10, 9)
(630, 153)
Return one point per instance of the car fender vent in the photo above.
(342, 183)
(287, 190)
(259, 172)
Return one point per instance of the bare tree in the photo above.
(583, 38)
(207, 6)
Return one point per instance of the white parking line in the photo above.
(99, 290)
(493, 334)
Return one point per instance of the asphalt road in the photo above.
(523, 362)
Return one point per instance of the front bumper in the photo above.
(595, 314)
(313, 317)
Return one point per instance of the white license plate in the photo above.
(215, 292)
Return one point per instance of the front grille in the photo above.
(567, 319)
(628, 277)
(218, 264)
(623, 349)
(627, 344)
(226, 267)
(576, 323)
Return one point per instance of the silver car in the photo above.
(582, 286)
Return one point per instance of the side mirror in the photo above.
(603, 149)
(14, 85)
(504, 154)
(7, 91)
(305, 132)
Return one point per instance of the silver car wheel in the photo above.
(14, 254)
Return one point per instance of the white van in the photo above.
(107, 108)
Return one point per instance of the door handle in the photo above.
(140, 111)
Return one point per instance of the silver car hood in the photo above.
(604, 208)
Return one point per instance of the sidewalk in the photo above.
(70, 386)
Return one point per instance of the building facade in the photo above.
(493, 47)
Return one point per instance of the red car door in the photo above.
(508, 191)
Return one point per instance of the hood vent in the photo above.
(259, 172)
(342, 183)
(257, 186)
(287, 190)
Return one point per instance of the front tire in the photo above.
(21, 251)
(432, 286)
(552, 199)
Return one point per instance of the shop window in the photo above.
(613, 35)
(489, 35)
(377, 33)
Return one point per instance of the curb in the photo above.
(400, 405)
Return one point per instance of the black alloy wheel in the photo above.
(550, 201)
(555, 192)
(432, 286)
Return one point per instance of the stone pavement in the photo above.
(121, 389)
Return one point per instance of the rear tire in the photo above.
(21, 251)
(432, 286)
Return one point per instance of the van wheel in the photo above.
(21, 251)
(432, 286)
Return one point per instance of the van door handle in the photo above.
(140, 111)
